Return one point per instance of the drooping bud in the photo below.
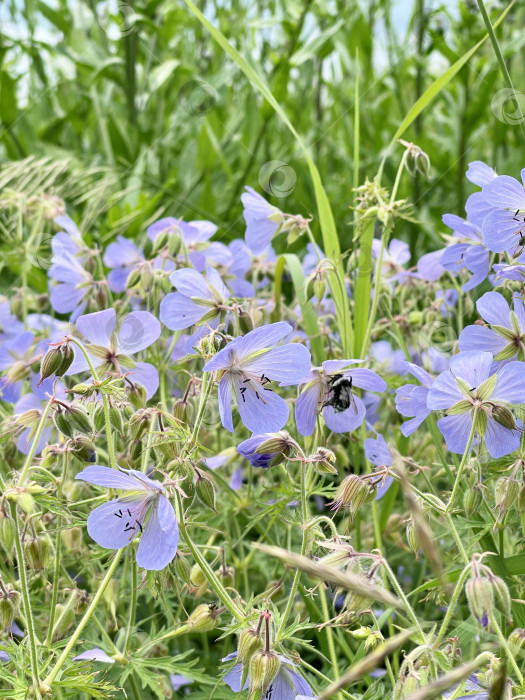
(50, 363)
(264, 666)
(64, 619)
(139, 423)
(202, 619)
(249, 641)
(245, 321)
(323, 461)
(7, 531)
(9, 604)
(226, 576)
(506, 493)
(72, 538)
(473, 498)
(37, 551)
(501, 594)
(26, 502)
(205, 490)
(517, 641)
(480, 596)
(83, 448)
(115, 418)
(67, 355)
(504, 417)
(183, 569)
(353, 492)
(197, 576)
(137, 396)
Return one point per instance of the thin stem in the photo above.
(457, 538)
(452, 604)
(132, 608)
(85, 619)
(329, 633)
(459, 474)
(34, 444)
(205, 567)
(105, 403)
(295, 583)
(58, 551)
(22, 573)
(505, 646)
(404, 599)
(500, 59)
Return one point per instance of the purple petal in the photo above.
(505, 192)
(286, 363)
(112, 526)
(456, 431)
(344, 421)
(472, 366)
(261, 411)
(481, 338)
(138, 331)
(225, 402)
(444, 392)
(95, 654)
(121, 253)
(377, 451)
(236, 479)
(366, 379)
(501, 232)
(249, 344)
(147, 376)
(233, 678)
(158, 544)
(98, 327)
(177, 312)
(118, 279)
(480, 173)
(66, 297)
(130, 480)
(494, 309)
(306, 408)
(510, 384)
(500, 441)
(190, 283)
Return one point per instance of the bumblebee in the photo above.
(341, 396)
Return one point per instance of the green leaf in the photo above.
(162, 73)
(326, 218)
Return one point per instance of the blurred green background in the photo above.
(129, 110)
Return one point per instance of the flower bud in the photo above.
(18, 371)
(517, 641)
(26, 502)
(480, 597)
(183, 569)
(205, 490)
(506, 493)
(504, 417)
(202, 619)
(264, 666)
(99, 418)
(67, 355)
(197, 576)
(161, 240)
(72, 538)
(245, 321)
(352, 493)
(50, 363)
(79, 419)
(137, 396)
(501, 594)
(37, 551)
(226, 576)
(83, 448)
(133, 278)
(473, 498)
(249, 642)
(115, 418)
(64, 619)
(323, 461)
(7, 532)
(147, 276)
(319, 289)
(9, 605)
(139, 423)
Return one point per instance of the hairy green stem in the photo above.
(58, 551)
(459, 474)
(505, 646)
(49, 680)
(34, 444)
(132, 608)
(451, 605)
(26, 600)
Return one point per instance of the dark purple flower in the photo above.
(248, 366)
(472, 386)
(142, 509)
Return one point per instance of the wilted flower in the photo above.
(268, 449)
(143, 509)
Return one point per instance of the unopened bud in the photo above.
(182, 568)
(197, 576)
(72, 538)
(517, 641)
(323, 461)
(51, 362)
(245, 321)
(67, 355)
(226, 576)
(506, 493)
(480, 598)
(504, 417)
(137, 396)
(202, 619)
(7, 532)
(352, 493)
(115, 418)
(9, 605)
(249, 642)
(37, 551)
(64, 619)
(264, 666)
(133, 278)
(83, 448)
(473, 498)
(26, 502)
(205, 490)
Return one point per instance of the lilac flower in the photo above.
(480, 174)
(242, 262)
(503, 228)
(248, 366)
(195, 241)
(503, 272)
(35, 400)
(472, 385)
(10, 326)
(378, 453)
(95, 654)
(477, 206)
(262, 221)
(450, 298)
(473, 689)
(286, 685)
(178, 681)
(123, 257)
(429, 267)
(197, 299)
(112, 350)
(390, 360)
(329, 388)
(311, 260)
(142, 509)
(394, 258)
(505, 335)
(469, 252)
(411, 399)
(16, 355)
